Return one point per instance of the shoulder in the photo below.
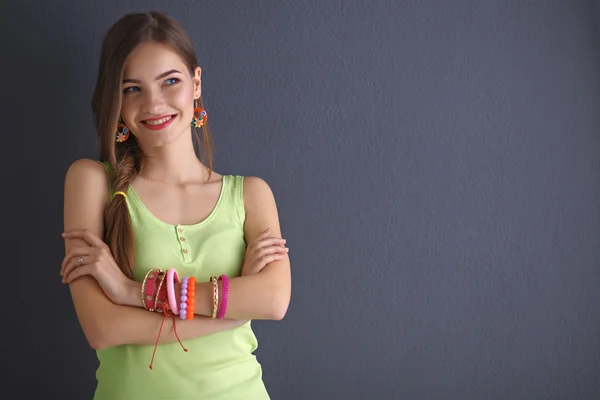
(87, 175)
(86, 167)
(256, 190)
(260, 207)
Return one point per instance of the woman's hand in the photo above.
(263, 251)
(95, 260)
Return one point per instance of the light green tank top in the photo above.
(217, 366)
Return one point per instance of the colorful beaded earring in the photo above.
(200, 115)
(122, 133)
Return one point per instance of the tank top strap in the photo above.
(234, 196)
(110, 173)
(239, 195)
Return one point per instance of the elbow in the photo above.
(97, 344)
(95, 312)
(95, 340)
(96, 335)
(279, 306)
(278, 313)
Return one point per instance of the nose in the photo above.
(154, 101)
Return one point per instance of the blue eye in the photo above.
(131, 89)
(171, 81)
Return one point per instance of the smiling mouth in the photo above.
(155, 122)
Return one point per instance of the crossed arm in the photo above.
(262, 296)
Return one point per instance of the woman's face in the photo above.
(158, 94)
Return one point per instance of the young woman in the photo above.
(167, 260)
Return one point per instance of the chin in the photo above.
(163, 137)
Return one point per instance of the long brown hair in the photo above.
(126, 158)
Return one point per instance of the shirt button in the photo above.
(179, 230)
(184, 251)
(182, 239)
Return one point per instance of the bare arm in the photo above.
(104, 323)
(265, 295)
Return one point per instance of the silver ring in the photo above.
(80, 260)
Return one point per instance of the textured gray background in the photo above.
(436, 165)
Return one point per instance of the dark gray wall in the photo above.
(436, 165)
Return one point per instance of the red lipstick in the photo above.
(160, 126)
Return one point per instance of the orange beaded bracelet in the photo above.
(191, 295)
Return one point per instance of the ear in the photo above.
(197, 82)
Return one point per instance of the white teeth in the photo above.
(158, 121)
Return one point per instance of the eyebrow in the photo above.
(172, 71)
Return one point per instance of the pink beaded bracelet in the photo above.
(224, 296)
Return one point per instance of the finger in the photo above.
(266, 260)
(265, 250)
(74, 263)
(76, 252)
(274, 251)
(271, 250)
(87, 253)
(78, 272)
(273, 241)
(66, 260)
(86, 235)
(265, 233)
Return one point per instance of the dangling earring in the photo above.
(200, 115)
(122, 133)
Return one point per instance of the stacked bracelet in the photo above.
(158, 295)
